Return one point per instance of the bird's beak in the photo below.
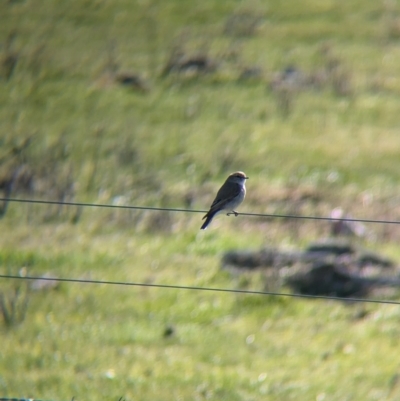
(246, 178)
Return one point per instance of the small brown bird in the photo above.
(229, 197)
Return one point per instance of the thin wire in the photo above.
(18, 399)
(166, 209)
(194, 288)
(81, 204)
(35, 399)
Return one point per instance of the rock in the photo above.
(327, 279)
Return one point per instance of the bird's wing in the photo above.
(225, 195)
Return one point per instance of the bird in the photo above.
(229, 197)
(343, 225)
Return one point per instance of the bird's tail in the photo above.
(208, 218)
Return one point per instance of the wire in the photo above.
(166, 209)
(80, 204)
(194, 288)
(35, 399)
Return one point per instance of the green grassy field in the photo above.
(330, 140)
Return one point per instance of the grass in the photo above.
(93, 140)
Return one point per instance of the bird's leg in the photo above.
(233, 212)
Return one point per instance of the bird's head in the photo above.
(238, 177)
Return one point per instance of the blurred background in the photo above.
(153, 104)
